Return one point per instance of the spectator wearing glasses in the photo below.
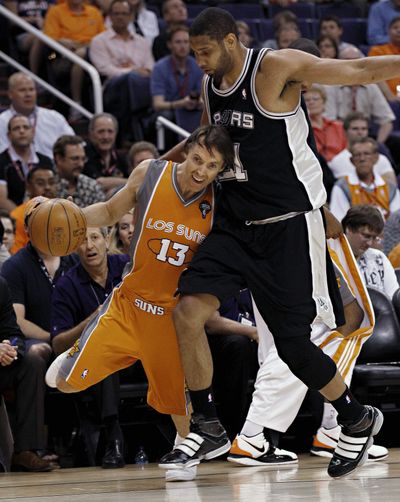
(364, 186)
(363, 225)
(70, 158)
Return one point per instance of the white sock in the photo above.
(251, 429)
(178, 440)
(329, 418)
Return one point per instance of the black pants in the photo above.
(26, 378)
(235, 362)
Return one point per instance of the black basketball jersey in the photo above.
(276, 171)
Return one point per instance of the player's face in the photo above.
(21, 132)
(43, 183)
(211, 56)
(125, 230)
(357, 129)
(200, 168)
(9, 236)
(93, 252)
(103, 134)
(362, 239)
(23, 94)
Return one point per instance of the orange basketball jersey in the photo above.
(168, 231)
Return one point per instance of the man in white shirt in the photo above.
(48, 124)
(363, 186)
(356, 126)
(363, 226)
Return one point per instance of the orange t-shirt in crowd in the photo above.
(330, 139)
(21, 237)
(387, 50)
(61, 22)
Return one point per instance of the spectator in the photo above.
(145, 21)
(379, 17)
(173, 12)
(40, 182)
(116, 51)
(16, 162)
(77, 297)
(332, 26)
(31, 276)
(33, 13)
(141, 150)
(363, 226)
(7, 236)
(104, 163)
(25, 375)
(329, 134)
(368, 99)
(47, 124)
(73, 24)
(121, 235)
(356, 126)
(244, 34)
(391, 48)
(391, 237)
(286, 35)
(363, 186)
(328, 47)
(70, 158)
(284, 21)
(176, 82)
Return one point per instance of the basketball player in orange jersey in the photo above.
(269, 232)
(174, 206)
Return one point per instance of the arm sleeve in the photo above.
(376, 32)
(158, 82)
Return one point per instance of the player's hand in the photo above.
(334, 228)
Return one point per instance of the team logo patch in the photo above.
(74, 349)
(205, 208)
(244, 94)
(84, 373)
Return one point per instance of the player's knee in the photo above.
(307, 361)
(193, 311)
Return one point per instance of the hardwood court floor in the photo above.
(217, 481)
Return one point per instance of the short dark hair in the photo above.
(215, 23)
(363, 215)
(62, 142)
(17, 116)
(142, 146)
(331, 17)
(351, 117)
(5, 214)
(305, 45)
(213, 136)
(174, 28)
(35, 169)
(321, 38)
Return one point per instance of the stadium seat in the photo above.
(195, 9)
(339, 9)
(376, 378)
(244, 10)
(355, 31)
(302, 10)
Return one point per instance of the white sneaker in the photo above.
(52, 372)
(256, 450)
(181, 474)
(325, 442)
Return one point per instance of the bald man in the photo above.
(48, 124)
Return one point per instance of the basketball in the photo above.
(57, 227)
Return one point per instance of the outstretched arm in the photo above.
(104, 214)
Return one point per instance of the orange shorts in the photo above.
(124, 331)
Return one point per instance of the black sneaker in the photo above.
(354, 441)
(207, 439)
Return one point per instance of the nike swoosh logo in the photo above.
(261, 450)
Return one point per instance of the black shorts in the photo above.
(285, 265)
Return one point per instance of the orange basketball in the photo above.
(57, 227)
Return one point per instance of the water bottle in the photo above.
(141, 457)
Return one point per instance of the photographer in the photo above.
(176, 82)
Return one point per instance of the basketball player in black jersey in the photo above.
(269, 233)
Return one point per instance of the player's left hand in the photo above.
(334, 228)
